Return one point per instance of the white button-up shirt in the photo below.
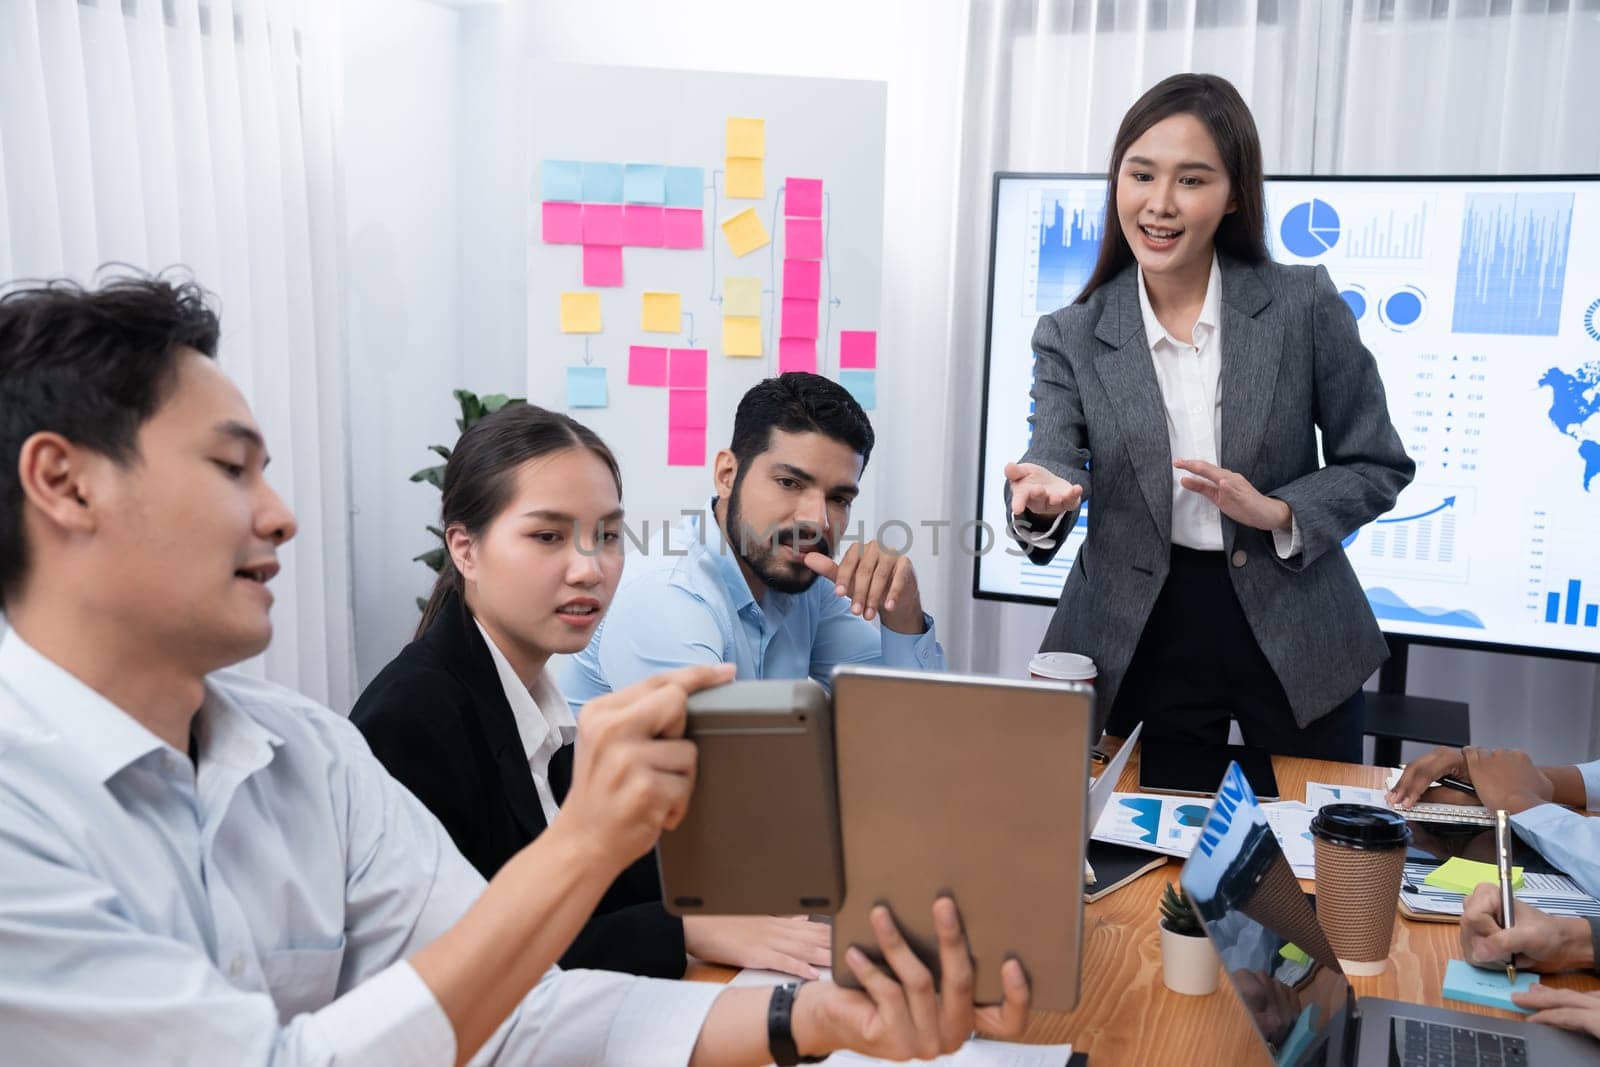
(1189, 375)
(544, 721)
(257, 906)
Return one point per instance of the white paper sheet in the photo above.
(1291, 825)
(1166, 824)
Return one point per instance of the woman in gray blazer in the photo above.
(1179, 398)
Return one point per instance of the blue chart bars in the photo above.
(1513, 263)
(1553, 612)
(1397, 235)
(1069, 241)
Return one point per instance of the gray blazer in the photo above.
(1292, 361)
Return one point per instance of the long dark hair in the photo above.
(1223, 112)
(481, 471)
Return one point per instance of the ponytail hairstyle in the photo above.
(1222, 111)
(481, 472)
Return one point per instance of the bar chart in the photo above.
(1567, 614)
(1512, 265)
(1069, 230)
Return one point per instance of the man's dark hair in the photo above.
(798, 402)
(91, 365)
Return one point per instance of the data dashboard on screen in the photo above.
(1479, 299)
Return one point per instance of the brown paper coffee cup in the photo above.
(1360, 859)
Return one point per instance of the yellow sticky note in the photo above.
(1294, 954)
(745, 179)
(1457, 875)
(580, 312)
(663, 312)
(741, 335)
(747, 138)
(741, 296)
(745, 233)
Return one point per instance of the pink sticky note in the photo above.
(799, 318)
(602, 265)
(602, 224)
(684, 227)
(858, 349)
(687, 368)
(802, 239)
(802, 197)
(797, 353)
(802, 279)
(642, 226)
(647, 365)
(686, 409)
(686, 447)
(563, 224)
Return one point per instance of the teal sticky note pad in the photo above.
(586, 387)
(561, 179)
(863, 385)
(602, 183)
(685, 186)
(644, 183)
(1463, 981)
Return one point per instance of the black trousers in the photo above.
(1198, 665)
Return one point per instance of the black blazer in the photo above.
(438, 720)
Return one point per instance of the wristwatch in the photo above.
(780, 1039)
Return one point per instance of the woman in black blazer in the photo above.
(1180, 397)
(468, 719)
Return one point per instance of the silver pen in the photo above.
(1502, 851)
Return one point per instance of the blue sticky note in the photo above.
(602, 183)
(863, 385)
(561, 180)
(1463, 981)
(586, 387)
(686, 186)
(644, 183)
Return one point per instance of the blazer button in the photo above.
(1240, 557)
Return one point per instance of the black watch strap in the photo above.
(780, 1038)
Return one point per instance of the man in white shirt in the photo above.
(200, 867)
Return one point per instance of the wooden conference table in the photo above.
(1127, 1016)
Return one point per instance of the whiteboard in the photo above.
(827, 129)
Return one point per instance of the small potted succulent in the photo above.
(1188, 961)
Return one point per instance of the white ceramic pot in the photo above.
(1189, 965)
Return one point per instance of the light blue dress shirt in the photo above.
(687, 602)
(1567, 839)
(255, 908)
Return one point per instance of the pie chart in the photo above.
(1310, 229)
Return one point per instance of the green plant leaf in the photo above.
(436, 532)
(422, 603)
(441, 450)
(434, 476)
(434, 558)
(494, 402)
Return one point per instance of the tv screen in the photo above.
(1480, 300)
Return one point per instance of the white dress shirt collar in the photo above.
(108, 738)
(1210, 311)
(542, 713)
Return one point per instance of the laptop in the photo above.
(1286, 975)
(975, 786)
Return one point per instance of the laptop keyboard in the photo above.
(1420, 1044)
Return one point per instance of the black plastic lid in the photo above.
(1361, 826)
